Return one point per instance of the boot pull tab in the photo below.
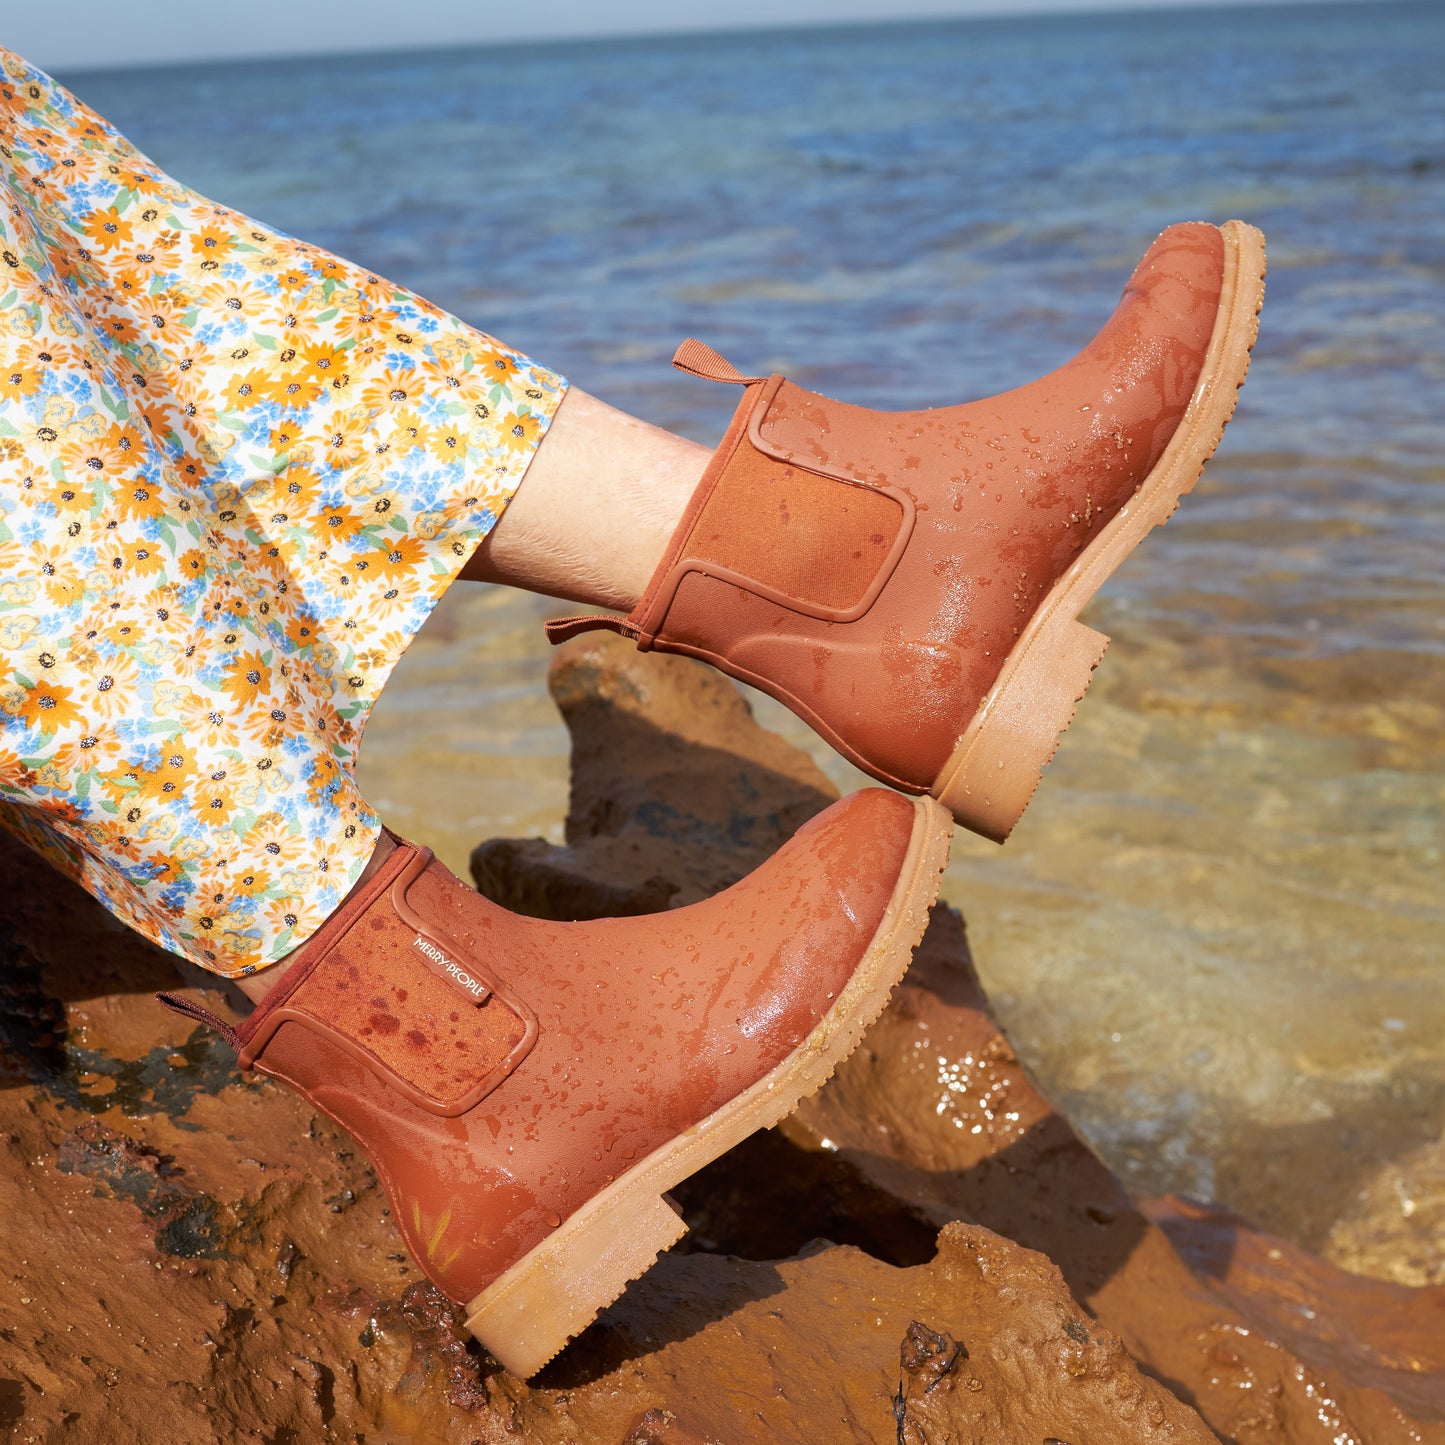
(701, 360)
(185, 1007)
(563, 629)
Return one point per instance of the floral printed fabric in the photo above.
(236, 473)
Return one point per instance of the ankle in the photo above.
(596, 510)
(257, 985)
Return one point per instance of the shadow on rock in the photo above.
(44, 968)
(676, 794)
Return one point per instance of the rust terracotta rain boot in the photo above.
(909, 583)
(529, 1091)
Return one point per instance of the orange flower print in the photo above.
(161, 316)
(63, 583)
(141, 177)
(20, 377)
(192, 564)
(299, 492)
(301, 632)
(294, 389)
(235, 300)
(247, 388)
(295, 277)
(215, 804)
(346, 443)
(125, 441)
(392, 388)
(178, 764)
(297, 326)
(155, 249)
(250, 881)
(280, 438)
(397, 557)
(212, 242)
(501, 369)
(82, 453)
(373, 291)
(59, 811)
(247, 678)
(342, 523)
(114, 626)
(106, 230)
(521, 432)
(70, 499)
(43, 705)
(138, 498)
(129, 281)
(446, 441)
(189, 370)
(133, 559)
(356, 320)
(116, 326)
(324, 358)
(109, 686)
(155, 411)
(15, 774)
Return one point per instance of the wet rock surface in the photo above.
(925, 1252)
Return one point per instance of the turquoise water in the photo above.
(1216, 936)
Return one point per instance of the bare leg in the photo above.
(596, 510)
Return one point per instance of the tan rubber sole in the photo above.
(993, 772)
(556, 1290)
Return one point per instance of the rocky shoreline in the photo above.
(925, 1252)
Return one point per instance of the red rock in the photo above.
(194, 1257)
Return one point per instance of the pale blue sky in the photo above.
(67, 35)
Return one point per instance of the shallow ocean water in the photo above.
(1216, 935)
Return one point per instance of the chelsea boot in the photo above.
(909, 583)
(528, 1091)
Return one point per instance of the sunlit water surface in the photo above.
(1216, 936)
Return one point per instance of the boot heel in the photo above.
(993, 772)
(553, 1293)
